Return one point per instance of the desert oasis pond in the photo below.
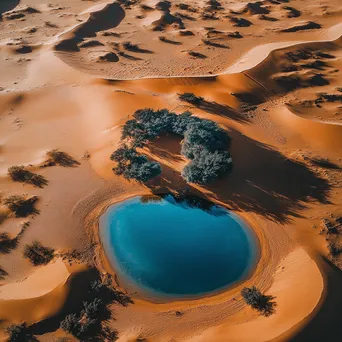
(162, 246)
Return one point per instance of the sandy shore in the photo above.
(70, 82)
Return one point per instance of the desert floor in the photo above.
(74, 71)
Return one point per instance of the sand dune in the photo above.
(28, 288)
(74, 72)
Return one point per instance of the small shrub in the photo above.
(38, 254)
(80, 325)
(191, 98)
(258, 301)
(7, 244)
(18, 333)
(71, 324)
(134, 166)
(21, 206)
(334, 249)
(57, 157)
(206, 134)
(18, 173)
(93, 308)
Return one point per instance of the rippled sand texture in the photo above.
(73, 72)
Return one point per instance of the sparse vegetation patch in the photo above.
(264, 304)
(19, 173)
(38, 254)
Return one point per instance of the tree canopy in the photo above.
(205, 144)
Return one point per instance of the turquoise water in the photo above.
(176, 248)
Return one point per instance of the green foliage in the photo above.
(183, 120)
(38, 254)
(204, 143)
(80, 325)
(19, 333)
(258, 301)
(71, 324)
(207, 166)
(134, 166)
(93, 308)
(206, 134)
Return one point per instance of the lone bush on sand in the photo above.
(20, 206)
(57, 157)
(259, 301)
(19, 173)
(38, 254)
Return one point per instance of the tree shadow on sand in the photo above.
(215, 108)
(167, 147)
(262, 181)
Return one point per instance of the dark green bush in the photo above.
(71, 324)
(57, 157)
(204, 142)
(207, 166)
(90, 316)
(19, 333)
(258, 301)
(93, 308)
(38, 254)
(206, 134)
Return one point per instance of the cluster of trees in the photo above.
(204, 143)
(87, 323)
(134, 166)
(18, 333)
(257, 300)
(80, 325)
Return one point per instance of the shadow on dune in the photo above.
(167, 147)
(7, 5)
(78, 286)
(325, 325)
(81, 290)
(262, 181)
(109, 17)
(215, 108)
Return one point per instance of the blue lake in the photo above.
(170, 247)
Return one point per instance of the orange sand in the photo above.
(64, 94)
